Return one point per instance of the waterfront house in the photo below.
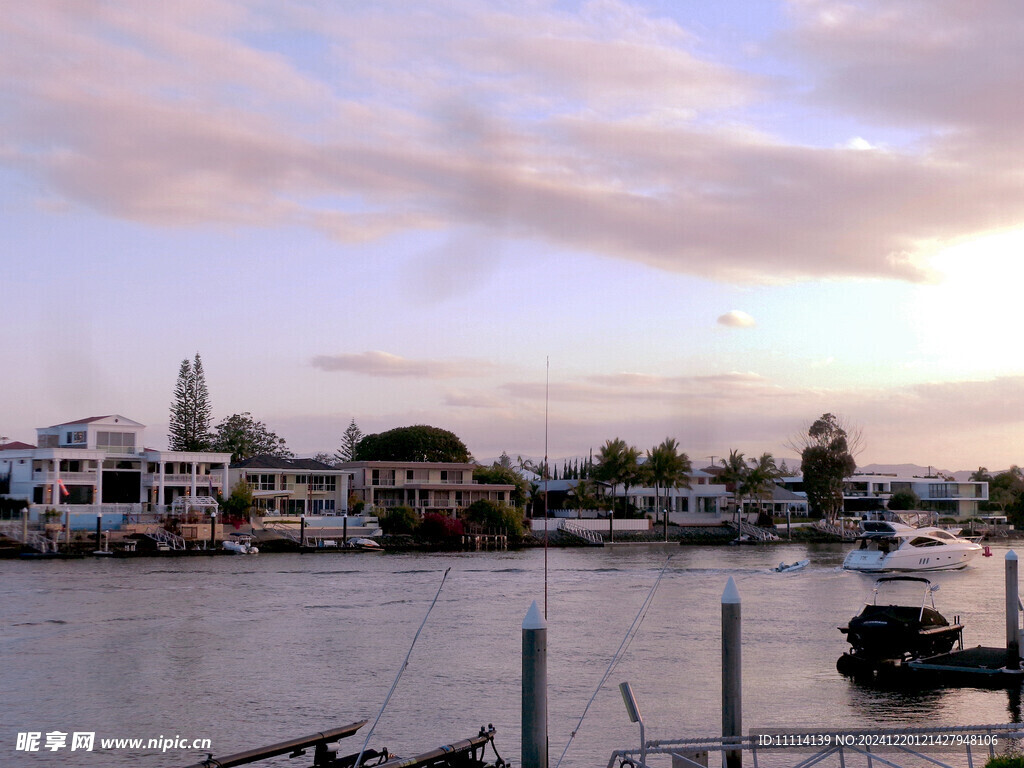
(427, 486)
(703, 503)
(101, 461)
(294, 486)
(870, 492)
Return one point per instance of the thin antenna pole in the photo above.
(547, 380)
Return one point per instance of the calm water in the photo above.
(247, 651)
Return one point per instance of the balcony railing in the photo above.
(201, 480)
(66, 477)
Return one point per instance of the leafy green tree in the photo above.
(190, 409)
(398, 520)
(981, 475)
(416, 443)
(239, 502)
(826, 461)
(1005, 491)
(666, 468)
(349, 441)
(490, 514)
(244, 437)
(902, 500)
(496, 474)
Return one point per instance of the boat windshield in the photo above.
(902, 590)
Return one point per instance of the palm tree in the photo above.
(762, 477)
(736, 473)
(667, 468)
(617, 463)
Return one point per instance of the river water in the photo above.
(247, 651)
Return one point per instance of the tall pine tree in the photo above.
(190, 409)
(349, 441)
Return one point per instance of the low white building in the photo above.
(705, 498)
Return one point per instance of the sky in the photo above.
(531, 223)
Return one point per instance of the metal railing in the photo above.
(29, 538)
(842, 532)
(753, 531)
(961, 746)
(163, 536)
(581, 533)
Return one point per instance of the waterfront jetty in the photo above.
(799, 747)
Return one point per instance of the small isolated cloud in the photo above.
(376, 363)
(737, 319)
(859, 143)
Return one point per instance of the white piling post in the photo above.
(535, 690)
(1012, 616)
(732, 685)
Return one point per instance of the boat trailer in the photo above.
(468, 753)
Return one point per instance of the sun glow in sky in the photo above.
(716, 220)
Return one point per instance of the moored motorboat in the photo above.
(891, 546)
(364, 545)
(886, 630)
(241, 544)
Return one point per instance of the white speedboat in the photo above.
(799, 565)
(892, 546)
(241, 544)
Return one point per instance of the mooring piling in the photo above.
(535, 690)
(1012, 612)
(732, 682)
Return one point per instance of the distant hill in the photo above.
(914, 470)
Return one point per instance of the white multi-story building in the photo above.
(947, 497)
(101, 461)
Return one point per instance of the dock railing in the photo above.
(579, 532)
(961, 746)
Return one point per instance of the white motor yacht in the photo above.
(892, 546)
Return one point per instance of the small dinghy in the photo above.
(799, 565)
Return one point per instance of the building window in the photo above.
(322, 482)
(260, 482)
(452, 476)
(116, 442)
(382, 477)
